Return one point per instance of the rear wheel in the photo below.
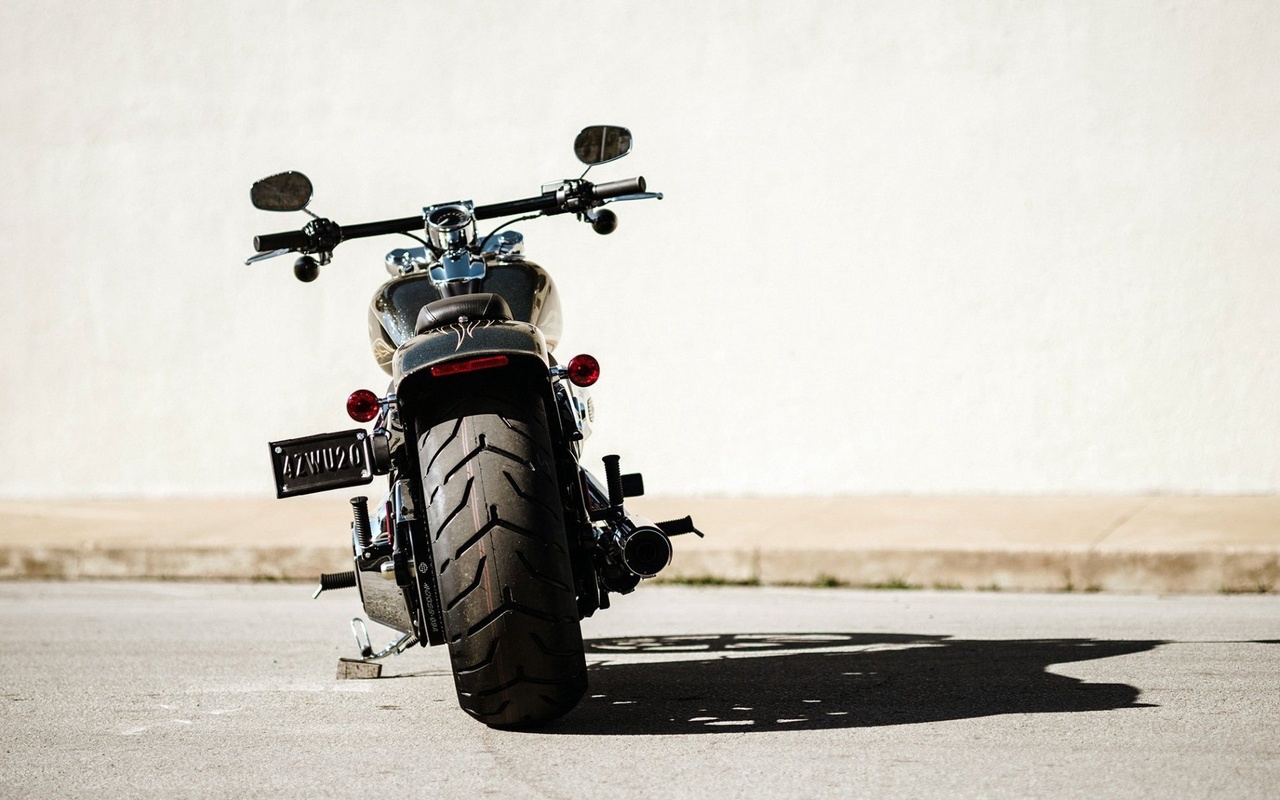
(497, 534)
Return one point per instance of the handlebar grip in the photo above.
(290, 240)
(603, 191)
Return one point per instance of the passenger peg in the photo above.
(613, 479)
(335, 580)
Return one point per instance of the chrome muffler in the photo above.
(638, 544)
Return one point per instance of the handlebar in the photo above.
(549, 203)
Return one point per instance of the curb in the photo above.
(1233, 571)
(172, 563)
(1143, 544)
(1205, 572)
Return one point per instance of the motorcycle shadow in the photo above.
(735, 683)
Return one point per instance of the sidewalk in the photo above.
(1115, 544)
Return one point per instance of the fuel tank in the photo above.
(527, 288)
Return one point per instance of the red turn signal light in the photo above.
(363, 405)
(584, 370)
(468, 365)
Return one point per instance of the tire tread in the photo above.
(510, 613)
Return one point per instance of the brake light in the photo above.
(469, 365)
(583, 370)
(363, 405)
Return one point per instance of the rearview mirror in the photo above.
(286, 191)
(601, 144)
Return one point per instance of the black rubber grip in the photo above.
(337, 580)
(603, 191)
(613, 477)
(288, 240)
(677, 527)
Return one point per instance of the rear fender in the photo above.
(469, 340)
(417, 391)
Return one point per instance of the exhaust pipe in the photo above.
(640, 546)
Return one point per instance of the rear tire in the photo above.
(496, 526)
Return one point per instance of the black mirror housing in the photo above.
(600, 144)
(284, 191)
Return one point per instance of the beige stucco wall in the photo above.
(906, 247)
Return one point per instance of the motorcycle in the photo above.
(492, 538)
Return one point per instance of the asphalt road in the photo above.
(172, 689)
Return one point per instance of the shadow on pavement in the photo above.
(725, 683)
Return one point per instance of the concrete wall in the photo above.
(906, 247)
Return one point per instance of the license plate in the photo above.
(321, 462)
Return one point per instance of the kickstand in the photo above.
(366, 666)
(357, 629)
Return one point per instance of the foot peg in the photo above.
(335, 580)
(675, 527)
(621, 486)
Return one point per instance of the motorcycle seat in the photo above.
(468, 307)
